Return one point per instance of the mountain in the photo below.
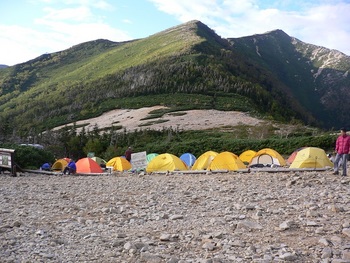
(3, 66)
(314, 76)
(189, 66)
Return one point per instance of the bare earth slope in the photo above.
(192, 120)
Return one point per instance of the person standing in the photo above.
(128, 153)
(342, 149)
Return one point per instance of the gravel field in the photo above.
(209, 218)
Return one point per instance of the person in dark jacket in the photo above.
(128, 153)
(342, 149)
(71, 168)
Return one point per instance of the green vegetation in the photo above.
(28, 157)
(67, 143)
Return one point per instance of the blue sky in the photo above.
(29, 28)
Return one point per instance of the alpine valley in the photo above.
(273, 76)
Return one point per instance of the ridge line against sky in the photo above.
(30, 28)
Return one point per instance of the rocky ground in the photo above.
(229, 217)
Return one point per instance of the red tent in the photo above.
(87, 165)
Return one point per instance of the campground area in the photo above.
(267, 159)
(211, 217)
(216, 207)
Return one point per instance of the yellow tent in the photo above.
(247, 156)
(226, 161)
(311, 157)
(204, 160)
(267, 156)
(119, 164)
(60, 164)
(165, 162)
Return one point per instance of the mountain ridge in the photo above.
(186, 66)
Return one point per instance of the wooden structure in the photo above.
(7, 161)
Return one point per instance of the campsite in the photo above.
(313, 158)
(220, 211)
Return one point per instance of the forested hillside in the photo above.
(269, 75)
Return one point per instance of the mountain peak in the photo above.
(276, 32)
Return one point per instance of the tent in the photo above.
(247, 156)
(188, 158)
(226, 161)
(204, 160)
(166, 162)
(267, 157)
(293, 154)
(99, 160)
(150, 156)
(119, 164)
(60, 164)
(311, 157)
(88, 165)
(45, 167)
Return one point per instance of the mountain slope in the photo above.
(185, 67)
(315, 76)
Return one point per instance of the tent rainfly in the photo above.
(88, 165)
(150, 156)
(166, 162)
(119, 164)
(60, 164)
(311, 157)
(267, 157)
(204, 160)
(226, 161)
(188, 158)
(247, 156)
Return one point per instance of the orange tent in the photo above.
(87, 165)
(293, 155)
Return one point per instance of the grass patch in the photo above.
(178, 113)
(153, 122)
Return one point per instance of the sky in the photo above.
(30, 28)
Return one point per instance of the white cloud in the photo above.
(127, 21)
(81, 13)
(57, 30)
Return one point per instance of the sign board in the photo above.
(7, 160)
(138, 160)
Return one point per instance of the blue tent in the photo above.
(188, 158)
(46, 167)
